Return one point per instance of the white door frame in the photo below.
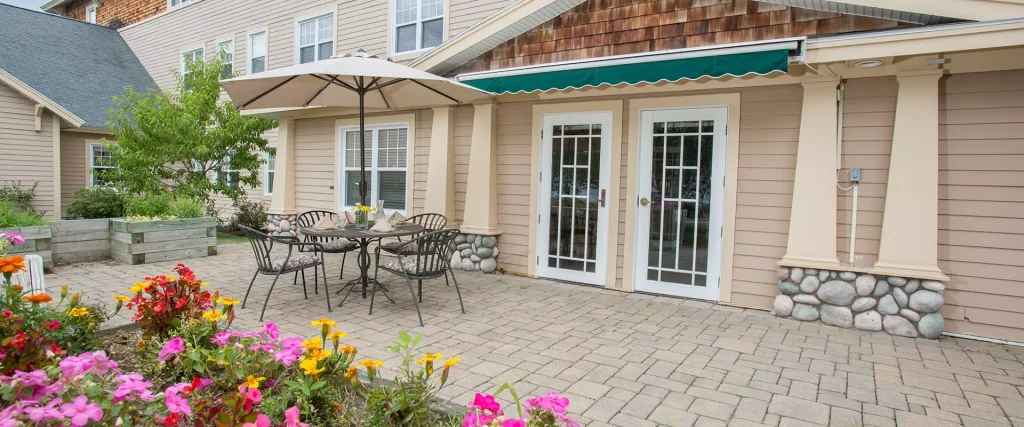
(643, 213)
(599, 275)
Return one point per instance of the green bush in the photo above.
(96, 202)
(11, 217)
(250, 214)
(19, 196)
(162, 206)
(181, 207)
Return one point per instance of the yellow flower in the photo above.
(227, 301)
(214, 315)
(309, 367)
(319, 354)
(122, 298)
(337, 335)
(314, 343)
(253, 382)
(347, 349)
(138, 288)
(201, 284)
(351, 372)
(323, 321)
(78, 312)
(370, 363)
(428, 357)
(451, 362)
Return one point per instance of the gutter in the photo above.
(813, 40)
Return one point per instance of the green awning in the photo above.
(642, 70)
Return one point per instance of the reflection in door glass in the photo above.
(575, 178)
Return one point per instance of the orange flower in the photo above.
(11, 265)
(38, 298)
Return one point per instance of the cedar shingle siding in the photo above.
(127, 11)
(598, 28)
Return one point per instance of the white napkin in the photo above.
(396, 218)
(382, 226)
(325, 223)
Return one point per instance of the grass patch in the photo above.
(225, 238)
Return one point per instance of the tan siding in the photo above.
(74, 160)
(981, 203)
(363, 25)
(28, 154)
(513, 151)
(424, 124)
(869, 112)
(465, 13)
(463, 141)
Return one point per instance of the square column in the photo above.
(281, 215)
(481, 216)
(812, 222)
(909, 241)
(440, 197)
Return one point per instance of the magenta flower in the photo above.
(486, 403)
(172, 347)
(513, 422)
(253, 395)
(552, 402)
(101, 363)
(177, 404)
(76, 365)
(291, 418)
(48, 412)
(270, 329)
(291, 350)
(221, 338)
(81, 411)
(261, 421)
(132, 383)
(14, 238)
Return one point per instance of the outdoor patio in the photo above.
(631, 359)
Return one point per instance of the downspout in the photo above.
(840, 95)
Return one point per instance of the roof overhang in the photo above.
(849, 8)
(487, 34)
(973, 10)
(739, 59)
(30, 93)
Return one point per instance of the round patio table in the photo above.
(364, 237)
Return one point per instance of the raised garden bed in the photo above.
(143, 242)
(37, 241)
(81, 240)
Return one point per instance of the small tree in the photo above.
(186, 142)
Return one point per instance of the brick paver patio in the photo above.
(633, 359)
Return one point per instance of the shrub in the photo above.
(162, 206)
(96, 202)
(11, 217)
(408, 399)
(250, 214)
(19, 196)
(181, 207)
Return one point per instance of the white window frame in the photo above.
(230, 43)
(225, 168)
(315, 17)
(393, 30)
(268, 178)
(248, 49)
(90, 14)
(171, 3)
(92, 162)
(372, 169)
(181, 56)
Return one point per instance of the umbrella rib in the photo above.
(384, 85)
(317, 92)
(268, 91)
(437, 92)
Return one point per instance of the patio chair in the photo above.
(422, 258)
(330, 245)
(429, 221)
(296, 260)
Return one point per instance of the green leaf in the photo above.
(318, 385)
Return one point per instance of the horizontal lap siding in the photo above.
(465, 13)
(74, 160)
(463, 142)
(513, 163)
(769, 131)
(424, 124)
(28, 154)
(363, 24)
(869, 113)
(981, 203)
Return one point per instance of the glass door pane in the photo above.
(575, 192)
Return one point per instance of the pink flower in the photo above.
(101, 363)
(221, 338)
(76, 365)
(81, 411)
(261, 421)
(291, 418)
(252, 397)
(132, 383)
(474, 419)
(270, 329)
(566, 421)
(486, 403)
(513, 422)
(552, 402)
(291, 350)
(177, 404)
(172, 347)
(48, 412)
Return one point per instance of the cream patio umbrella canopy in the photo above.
(354, 80)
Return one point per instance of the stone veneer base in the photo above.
(845, 299)
(475, 252)
(282, 225)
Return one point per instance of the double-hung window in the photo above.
(176, 3)
(226, 49)
(187, 58)
(100, 159)
(268, 174)
(419, 24)
(90, 14)
(226, 174)
(257, 52)
(386, 157)
(316, 38)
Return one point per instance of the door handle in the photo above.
(601, 200)
(644, 201)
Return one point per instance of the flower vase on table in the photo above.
(378, 211)
(362, 214)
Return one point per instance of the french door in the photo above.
(573, 212)
(680, 197)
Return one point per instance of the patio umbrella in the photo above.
(354, 80)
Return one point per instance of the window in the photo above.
(227, 56)
(225, 174)
(90, 14)
(99, 159)
(386, 160)
(268, 174)
(419, 24)
(316, 38)
(257, 52)
(176, 3)
(190, 56)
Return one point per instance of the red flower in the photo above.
(54, 325)
(172, 420)
(57, 350)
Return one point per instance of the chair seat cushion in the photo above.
(297, 260)
(408, 265)
(340, 245)
(392, 247)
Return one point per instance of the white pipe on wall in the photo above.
(853, 225)
(840, 95)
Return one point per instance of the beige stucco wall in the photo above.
(28, 154)
(981, 202)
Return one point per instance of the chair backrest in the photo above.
(429, 221)
(261, 246)
(310, 218)
(434, 249)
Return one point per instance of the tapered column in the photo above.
(812, 223)
(281, 215)
(909, 242)
(481, 216)
(440, 196)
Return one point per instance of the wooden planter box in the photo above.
(37, 241)
(144, 242)
(81, 240)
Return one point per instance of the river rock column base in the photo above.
(475, 252)
(281, 225)
(846, 299)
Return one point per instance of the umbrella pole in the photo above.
(362, 144)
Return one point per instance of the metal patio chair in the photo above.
(330, 245)
(296, 260)
(422, 258)
(429, 221)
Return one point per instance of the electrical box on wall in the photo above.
(854, 174)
